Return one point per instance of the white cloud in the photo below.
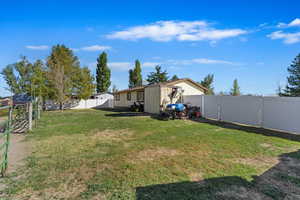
(156, 57)
(150, 64)
(164, 31)
(95, 48)
(90, 29)
(288, 38)
(120, 65)
(75, 49)
(205, 61)
(40, 47)
(211, 61)
(125, 66)
(295, 22)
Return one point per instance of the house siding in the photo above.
(123, 102)
(189, 89)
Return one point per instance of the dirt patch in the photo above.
(266, 145)
(219, 129)
(19, 149)
(152, 154)
(196, 176)
(257, 161)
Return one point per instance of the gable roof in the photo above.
(167, 83)
(131, 89)
(170, 83)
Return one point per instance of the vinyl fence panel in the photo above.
(194, 100)
(241, 109)
(282, 113)
(211, 107)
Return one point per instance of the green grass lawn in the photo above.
(93, 154)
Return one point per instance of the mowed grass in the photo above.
(93, 154)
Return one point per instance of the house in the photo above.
(156, 96)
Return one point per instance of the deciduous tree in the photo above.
(84, 86)
(62, 66)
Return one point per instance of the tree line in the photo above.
(61, 77)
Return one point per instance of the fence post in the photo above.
(38, 110)
(10, 118)
(219, 99)
(202, 105)
(30, 116)
(262, 112)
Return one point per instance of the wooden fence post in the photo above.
(38, 111)
(30, 116)
(10, 118)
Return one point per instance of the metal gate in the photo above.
(19, 119)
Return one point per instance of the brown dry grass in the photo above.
(111, 135)
(153, 154)
(257, 161)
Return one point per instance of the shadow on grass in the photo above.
(279, 182)
(122, 112)
(262, 131)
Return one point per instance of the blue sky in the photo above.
(253, 41)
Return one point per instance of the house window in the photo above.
(128, 96)
(117, 97)
(140, 96)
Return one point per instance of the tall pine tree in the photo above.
(131, 84)
(208, 83)
(158, 76)
(135, 75)
(138, 80)
(235, 91)
(102, 74)
(174, 78)
(293, 86)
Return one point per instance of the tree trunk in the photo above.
(61, 106)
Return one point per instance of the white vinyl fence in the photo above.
(94, 103)
(281, 113)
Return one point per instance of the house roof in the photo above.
(167, 83)
(131, 89)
